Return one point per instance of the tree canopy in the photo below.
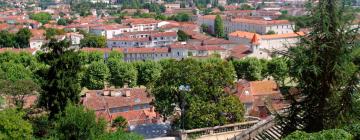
(62, 85)
(41, 17)
(13, 126)
(122, 73)
(201, 98)
(93, 41)
(219, 27)
(95, 76)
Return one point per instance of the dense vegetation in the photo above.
(18, 40)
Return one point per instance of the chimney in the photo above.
(107, 92)
(126, 85)
(127, 93)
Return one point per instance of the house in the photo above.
(37, 42)
(172, 5)
(109, 31)
(131, 103)
(260, 97)
(140, 54)
(75, 39)
(262, 46)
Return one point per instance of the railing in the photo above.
(209, 131)
(253, 131)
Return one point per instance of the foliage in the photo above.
(148, 72)
(121, 73)
(95, 76)
(251, 69)
(13, 126)
(22, 38)
(270, 32)
(278, 69)
(332, 134)
(246, 7)
(219, 27)
(41, 17)
(116, 55)
(52, 32)
(62, 21)
(201, 98)
(325, 71)
(154, 7)
(181, 17)
(120, 123)
(18, 90)
(76, 122)
(236, 1)
(182, 36)
(207, 11)
(62, 85)
(15, 71)
(221, 8)
(93, 41)
(7, 39)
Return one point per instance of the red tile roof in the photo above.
(104, 50)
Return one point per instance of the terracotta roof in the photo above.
(141, 21)
(207, 48)
(109, 27)
(266, 87)
(95, 100)
(4, 26)
(250, 35)
(37, 32)
(239, 51)
(288, 35)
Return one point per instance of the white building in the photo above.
(262, 46)
(260, 26)
(143, 39)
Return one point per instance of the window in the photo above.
(178, 53)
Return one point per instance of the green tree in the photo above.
(13, 126)
(279, 69)
(18, 90)
(22, 38)
(95, 76)
(246, 7)
(332, 134)
(270, 32)
(221, 8)
(201, 98)
(120, 123)
(251, 69)
(325, 71)
(62, 21)
(148, 72)
(78, 123)
(93, 41)
(116, 55)
(51, 32)
(7, 39)
(15, 71)
(219, 27)
(122, 73)
(182, 36)
(41, 17)
(61, 79)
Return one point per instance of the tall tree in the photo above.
(219, 27)
(122, 73)
(62, 80)
(325, 71)
(93, 41)
(197, 89)
(95, 76)
(148, 72)
(15, 71)
(22, 38)
(251, 69)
